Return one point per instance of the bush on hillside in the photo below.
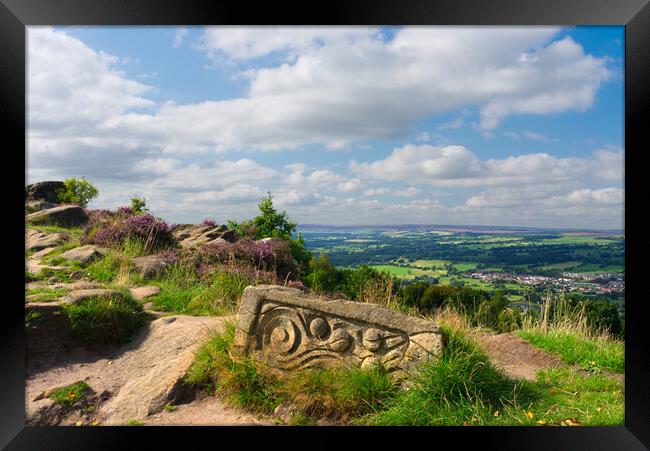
(114, 228)
(273, 224)
(77, 191)
(139, 205)
(267, 255)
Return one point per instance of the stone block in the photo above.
(288, 330)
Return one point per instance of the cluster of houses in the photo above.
(602, 283)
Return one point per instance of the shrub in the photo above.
(77, 191)
(323, 276)
(139, 205)
(265, 255)
(209, 222)
(509, 320)
(112, 229)
(273, 224)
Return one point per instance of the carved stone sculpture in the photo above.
(289, 330)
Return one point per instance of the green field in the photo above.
(408, 273)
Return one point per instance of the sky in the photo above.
(505, 126)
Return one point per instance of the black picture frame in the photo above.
(15, 15)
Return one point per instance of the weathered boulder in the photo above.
(141, 293)
(37, 241)
(64, 216)
(37, 205)
(150, 265)
(288, 330)
(190, 235)
(83, 254)
(46, 191)
(78, 296)
(156, 364)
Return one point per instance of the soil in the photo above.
(518, 359)
(206, 411)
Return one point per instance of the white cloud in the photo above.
(71, 86)
(408, 192)
(179, 36)
(339, 85)
(331, 87)
(455, 166)
(421, 163)
(254, 42)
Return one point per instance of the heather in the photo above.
(115, 228)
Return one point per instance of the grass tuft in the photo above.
(70, 394)
(337, 394)
(105, 320)
(182, 291)
(592, 354)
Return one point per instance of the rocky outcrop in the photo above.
(150, 266)
(191, 235)
(45, 191)
(155, 366)
(63, 216)
(289, 330)
(37, 205)
(141, 293)
(83, 254)
(37, 241)
(78, 296)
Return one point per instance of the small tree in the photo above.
(273, 224)
(77, 191)
(139, 205)
(270, 223)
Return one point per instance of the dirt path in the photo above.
(207, 411)
(134, 381)
(518, 359)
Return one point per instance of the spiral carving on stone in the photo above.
(282, 335)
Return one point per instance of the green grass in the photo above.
(238, 380)
(408, 272)
(75, 232)
(134, 247)
(134, 423)
(182, 292)
(463, 388)
(70, 394)
(105, 320)
(62, 274)
(337, 394)
(104, 269)
(590, 353)
(46, 294)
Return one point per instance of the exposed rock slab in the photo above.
(191, 235)
(141, 293)
(78, 285)
(289, 329)
(45, 191)
(38, 205)
(150, 265)
(77, 296)
(35, 267)
(155, 366)
(63, 216)
(83, 254)
(37, 241)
